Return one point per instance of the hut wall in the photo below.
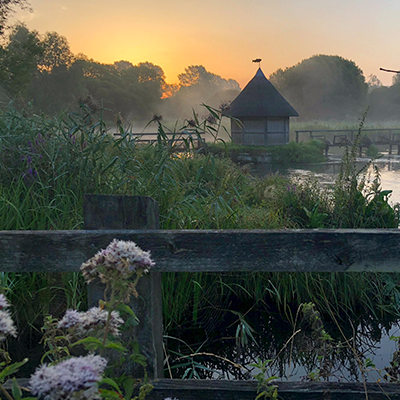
(236, 132)
(277, 131)
(261, 131)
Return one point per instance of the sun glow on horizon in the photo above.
(226, 36)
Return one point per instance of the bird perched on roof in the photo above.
(257, 60)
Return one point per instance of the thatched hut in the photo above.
(263, 114)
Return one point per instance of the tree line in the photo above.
(40, 70)
(332, 87)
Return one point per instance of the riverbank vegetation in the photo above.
(47, 164)
(293, 153)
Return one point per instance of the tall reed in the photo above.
(46, 165)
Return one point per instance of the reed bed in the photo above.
(46, 165)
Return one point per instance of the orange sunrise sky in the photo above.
(223, 35)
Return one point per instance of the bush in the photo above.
(299, 153)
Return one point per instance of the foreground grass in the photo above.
(46, 165)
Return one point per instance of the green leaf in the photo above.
(16, 391)
(111, 382)
(124, 308)
(139, 359)
(131, 321)
(180, 365)
(90, 343)
(109, 394)
(262, 394)
(11, 369)
(116, 346)
(369, 363)
(135, 346)
(129, 385)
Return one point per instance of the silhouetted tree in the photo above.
(323, 87)
(56, 52)
(19, 59)
(43, 69)
(384, 103)
(196, 86)
(396, 78)
(373, 81)
(7, 7)
(122, 65)
(197, 75)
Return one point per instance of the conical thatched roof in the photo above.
(260, 99)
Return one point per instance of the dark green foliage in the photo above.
(19, 59)
(136, 89)
(42, 70)
(46, 164)
(323, 87)
(357, 202)
(384, 102)
(299, 153)
(56, 52)
(373, 152)
(295, 153)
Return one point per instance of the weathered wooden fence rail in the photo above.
(134, 218)
(317, 250)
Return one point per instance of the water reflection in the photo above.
(296, 354)
(326, 173)
(365, 337)
(213, 349)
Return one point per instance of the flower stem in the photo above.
(110, 307)
(9, 397)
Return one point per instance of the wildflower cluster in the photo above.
(75, 378)
(116, 264)
(78, 378)
(91, 322)
(119, 258)
(7, 326)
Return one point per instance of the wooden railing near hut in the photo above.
(183, 139)
(136, 218)
(341, 137)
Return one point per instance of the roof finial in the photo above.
(258, 60)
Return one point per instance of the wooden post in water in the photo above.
(132, 212)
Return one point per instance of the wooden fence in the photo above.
(136, 218)
(179, 140)
(341, 137)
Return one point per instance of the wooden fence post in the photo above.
(132, 212)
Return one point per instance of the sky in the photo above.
(225, 35)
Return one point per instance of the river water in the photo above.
(326, 173)
(371, 341)
(379, 351)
